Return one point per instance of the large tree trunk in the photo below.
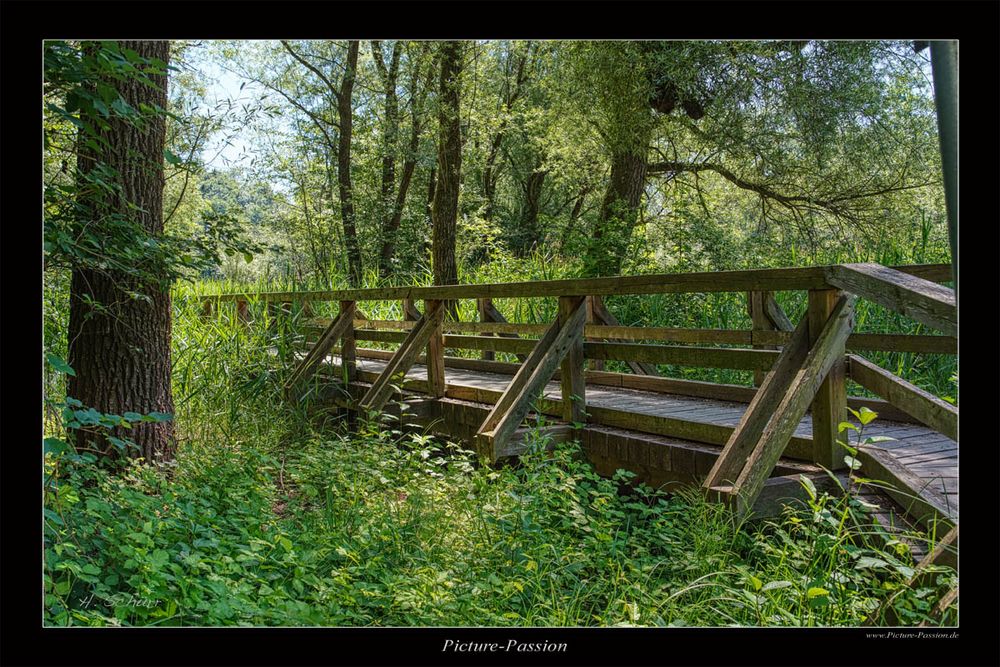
(444, 210)
(619, 212)
(120, 348)
(346, 189)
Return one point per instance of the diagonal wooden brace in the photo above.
(341, 325)
(766, 427)
(378, 394)
(538, 369)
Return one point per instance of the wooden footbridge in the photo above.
(745, 446)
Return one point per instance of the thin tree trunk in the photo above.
(120, 348)
(391, 225)
(444, 210)
(532, 234)
(346, 189)
(619, 212)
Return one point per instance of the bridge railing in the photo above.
(585, 330)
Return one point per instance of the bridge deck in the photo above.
(922, 453)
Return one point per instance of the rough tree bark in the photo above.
(444, 210)
(619, 212)
(120, 348)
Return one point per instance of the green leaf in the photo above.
(60, 364)
(772, 585)
(878, 438)
(852, 462)
(816, 591)
(865, 416)
(809, 486)
(132, 416)
(757, 583)
(170, 157)
(843, 426)
(248, 257)
(55, 446)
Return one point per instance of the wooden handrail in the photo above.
(916, 297)
(791, 278)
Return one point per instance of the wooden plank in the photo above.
(915, 495)
(824, 353)
(877, 342)
(514, 404)
(927, 408)
(348, 346)
(938, 273)
(435, 353)
(684, 356)
(829, 407)
(924, 301)
(747, 433)
(517, 385)
(574, 392)
(402, 360)
(320, 350)
(793, 278)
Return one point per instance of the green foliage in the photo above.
(274, 516)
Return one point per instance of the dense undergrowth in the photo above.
(273, 515)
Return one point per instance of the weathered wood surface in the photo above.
(435, 353)
(647, 415)
(533, 376)
(574, 390)
(829, 406)
(825, 352)
(774, 280)
(321, 349)
(705, 357)
(927, 408)
(923, 300)
(404, 358)
(857, 341)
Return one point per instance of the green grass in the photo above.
(273, 515)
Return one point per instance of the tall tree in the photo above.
(393, 202)
(119, 323)
(342, 97)
(444, 210)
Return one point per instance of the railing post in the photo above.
(574, 398)
(435, 353)
(594, 364)
(348, 347)
(829, 407)
(243, 312)
(755, 307)
(484, 307)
